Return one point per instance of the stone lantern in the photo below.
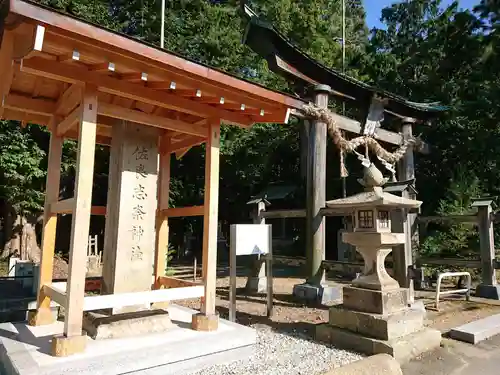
(375, 316)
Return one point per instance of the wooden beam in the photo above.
(141, 298)
(172, 282)
(121, 113)
(81, 216)
(161, 249)
(56, 294)
(354, 126)
(98, 210)
(69, 122)
(110, 85)
(17, 115)
(28, 104)
(184, 144)
(69, 99)
(210, 219)
(43, 314)
(66, 206)
(184, 211)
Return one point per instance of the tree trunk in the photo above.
(12, 233)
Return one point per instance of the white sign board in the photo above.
(250, 239)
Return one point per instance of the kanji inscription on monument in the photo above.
(130, 235)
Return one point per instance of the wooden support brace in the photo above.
(69, 122)
(56, 294)
(81, 216)
(185, 144)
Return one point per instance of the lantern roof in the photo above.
(373, 198)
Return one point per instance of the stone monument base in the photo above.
(322, 294)
(375, 301)
(402, 349)
(256, 284)
(488, 291)
(399, 331)
(383, 327)
(100, 325)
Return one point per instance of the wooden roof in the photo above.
(47, 57)
(286, 59)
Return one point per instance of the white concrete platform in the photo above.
(477, 331)
(24, 350)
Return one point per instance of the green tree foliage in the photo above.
(426, 51)
(21, 167)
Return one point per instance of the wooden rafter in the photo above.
(114, 111)
(73, 74)
(26, 103)
(172, 73)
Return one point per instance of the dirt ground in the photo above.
(290, 314)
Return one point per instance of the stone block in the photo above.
(160, 305)
(104, 326)
(384, 327)
(43, 317)
(488, 291)
(256, 284)
(322, 294)
(380, 364)
(402, 349)
(375, 301)
(202, 322)
(63, 346)
(477, 331)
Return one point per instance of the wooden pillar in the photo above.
(162, 221)
(403, 255)
(208, 320)
(316, 192)
(489, 285)
(43, 314)
(72, 341)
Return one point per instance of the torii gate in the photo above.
(286, 59)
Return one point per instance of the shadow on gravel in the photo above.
(304, 330)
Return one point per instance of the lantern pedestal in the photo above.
(375, 317)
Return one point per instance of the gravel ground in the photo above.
(285, 354)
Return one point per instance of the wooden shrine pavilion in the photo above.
(97, 86)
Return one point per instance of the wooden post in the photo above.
(316, 193)
(162, 220)
(72, 341)
(208, 320)
(403, 255)
(43, 314)
(488, 287)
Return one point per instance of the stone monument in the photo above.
(130, 234)
(375, 316)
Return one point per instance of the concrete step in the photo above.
(477, 331)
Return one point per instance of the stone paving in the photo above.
(458, 358)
